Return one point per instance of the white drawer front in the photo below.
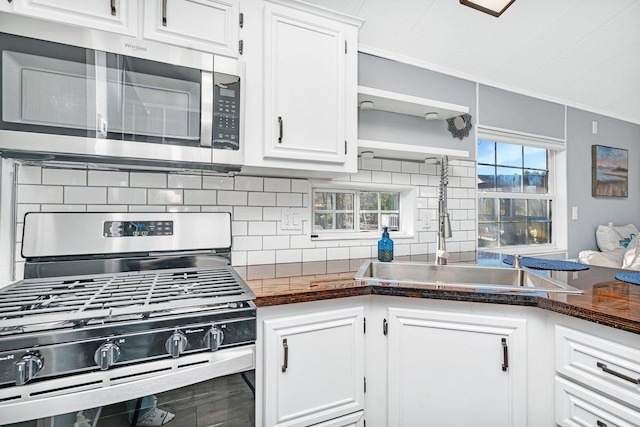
(577, 406)
(609, 367)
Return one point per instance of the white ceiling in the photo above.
(584, 53)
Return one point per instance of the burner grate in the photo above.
(89, 297)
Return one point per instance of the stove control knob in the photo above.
(28, 367)
(106, 355)
(213, 338)
(176, 344)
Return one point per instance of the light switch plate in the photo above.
(291, 219)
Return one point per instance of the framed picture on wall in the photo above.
(609, 171)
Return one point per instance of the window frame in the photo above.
(407, 203)
(556, 189)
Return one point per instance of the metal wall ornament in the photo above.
(459, 126)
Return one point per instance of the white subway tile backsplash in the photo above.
(247, 213)
(217, 182)
(371, 164)
(64, 177)
(289, 199)
(337, 253)
(247, 243)
(147, 208)
(22, 210)
(289, 255)
(63, 208)
(262, 228)
(272, 213)
(300, 186)
(391, 165)
(39, 194)
(184, 181)
(468, 182)
(429, 168)
(85, 195)
(417, 179)
(277, 185)
(400, 178)
(301, 241)
(360, 252)
(232, 197)
(183, 208)
(107, 179)
(249, 183)
(315, 254)
(261, 257)
(262, 199)
(130, 196)
(238, 258)
(200, 197)
(410, 167)
(148, 180)
(381, 177)
(29, 174)
(361, 176)
(107, 208)
(275, 242)
(239, 228)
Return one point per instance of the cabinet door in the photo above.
(207, 25)
(118, 16)
(313, 367)
(450, 369)
(304, 84)
(351, 420)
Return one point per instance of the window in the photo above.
(355, 210)
(514, 196)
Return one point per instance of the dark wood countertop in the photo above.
(605, 300)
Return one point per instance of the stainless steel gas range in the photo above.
(119, 309)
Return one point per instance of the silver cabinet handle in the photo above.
(505, 355)
(280, 129)
(617, 374)
(285, 363)
(113, 7)
(164, 13)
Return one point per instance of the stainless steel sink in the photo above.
(485, 278)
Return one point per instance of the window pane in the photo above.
(344, 221)
(487, 210)
(486, 178)
(488, 235)
(389, 201)
(369, 201)
(487, 152)
(513, 233)
(509, 155)
(511, 209)
(390, 220)
(323, 221)
(535, 181)
(539, 232)
(509, 180)
(368, 221)
(535, 158)
(322, 201)
(344, 201)
(537, 210)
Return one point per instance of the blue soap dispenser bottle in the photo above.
(385, 247)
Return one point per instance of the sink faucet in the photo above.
(516, 261)
(444, 224)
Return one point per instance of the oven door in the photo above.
(206, 389)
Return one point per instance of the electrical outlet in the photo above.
(291, 219)
(574, 213)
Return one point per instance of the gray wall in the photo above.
(593, 211)
(386, 74)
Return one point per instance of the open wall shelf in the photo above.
(406, 104)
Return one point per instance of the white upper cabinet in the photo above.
(306, 75)
(117, 16)
(207, 25)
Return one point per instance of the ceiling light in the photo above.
(431, 116)
(366, 105)
(367, 154)
(492, 7)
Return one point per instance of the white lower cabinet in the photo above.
(598, 376)
(455, 369)
(351, 420)
(313, 359)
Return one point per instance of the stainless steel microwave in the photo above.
(69, 93)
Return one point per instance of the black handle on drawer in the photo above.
(164, 13)
(285, 363)
(280, 129)
(601, 424)
(113, 7)
(617, 374)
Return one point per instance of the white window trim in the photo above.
(557, 165)
(408, 195)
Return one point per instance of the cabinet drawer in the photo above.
(579, 407)
(609, 367)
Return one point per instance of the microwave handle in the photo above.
(206, 114)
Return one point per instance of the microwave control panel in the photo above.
(226, 112)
